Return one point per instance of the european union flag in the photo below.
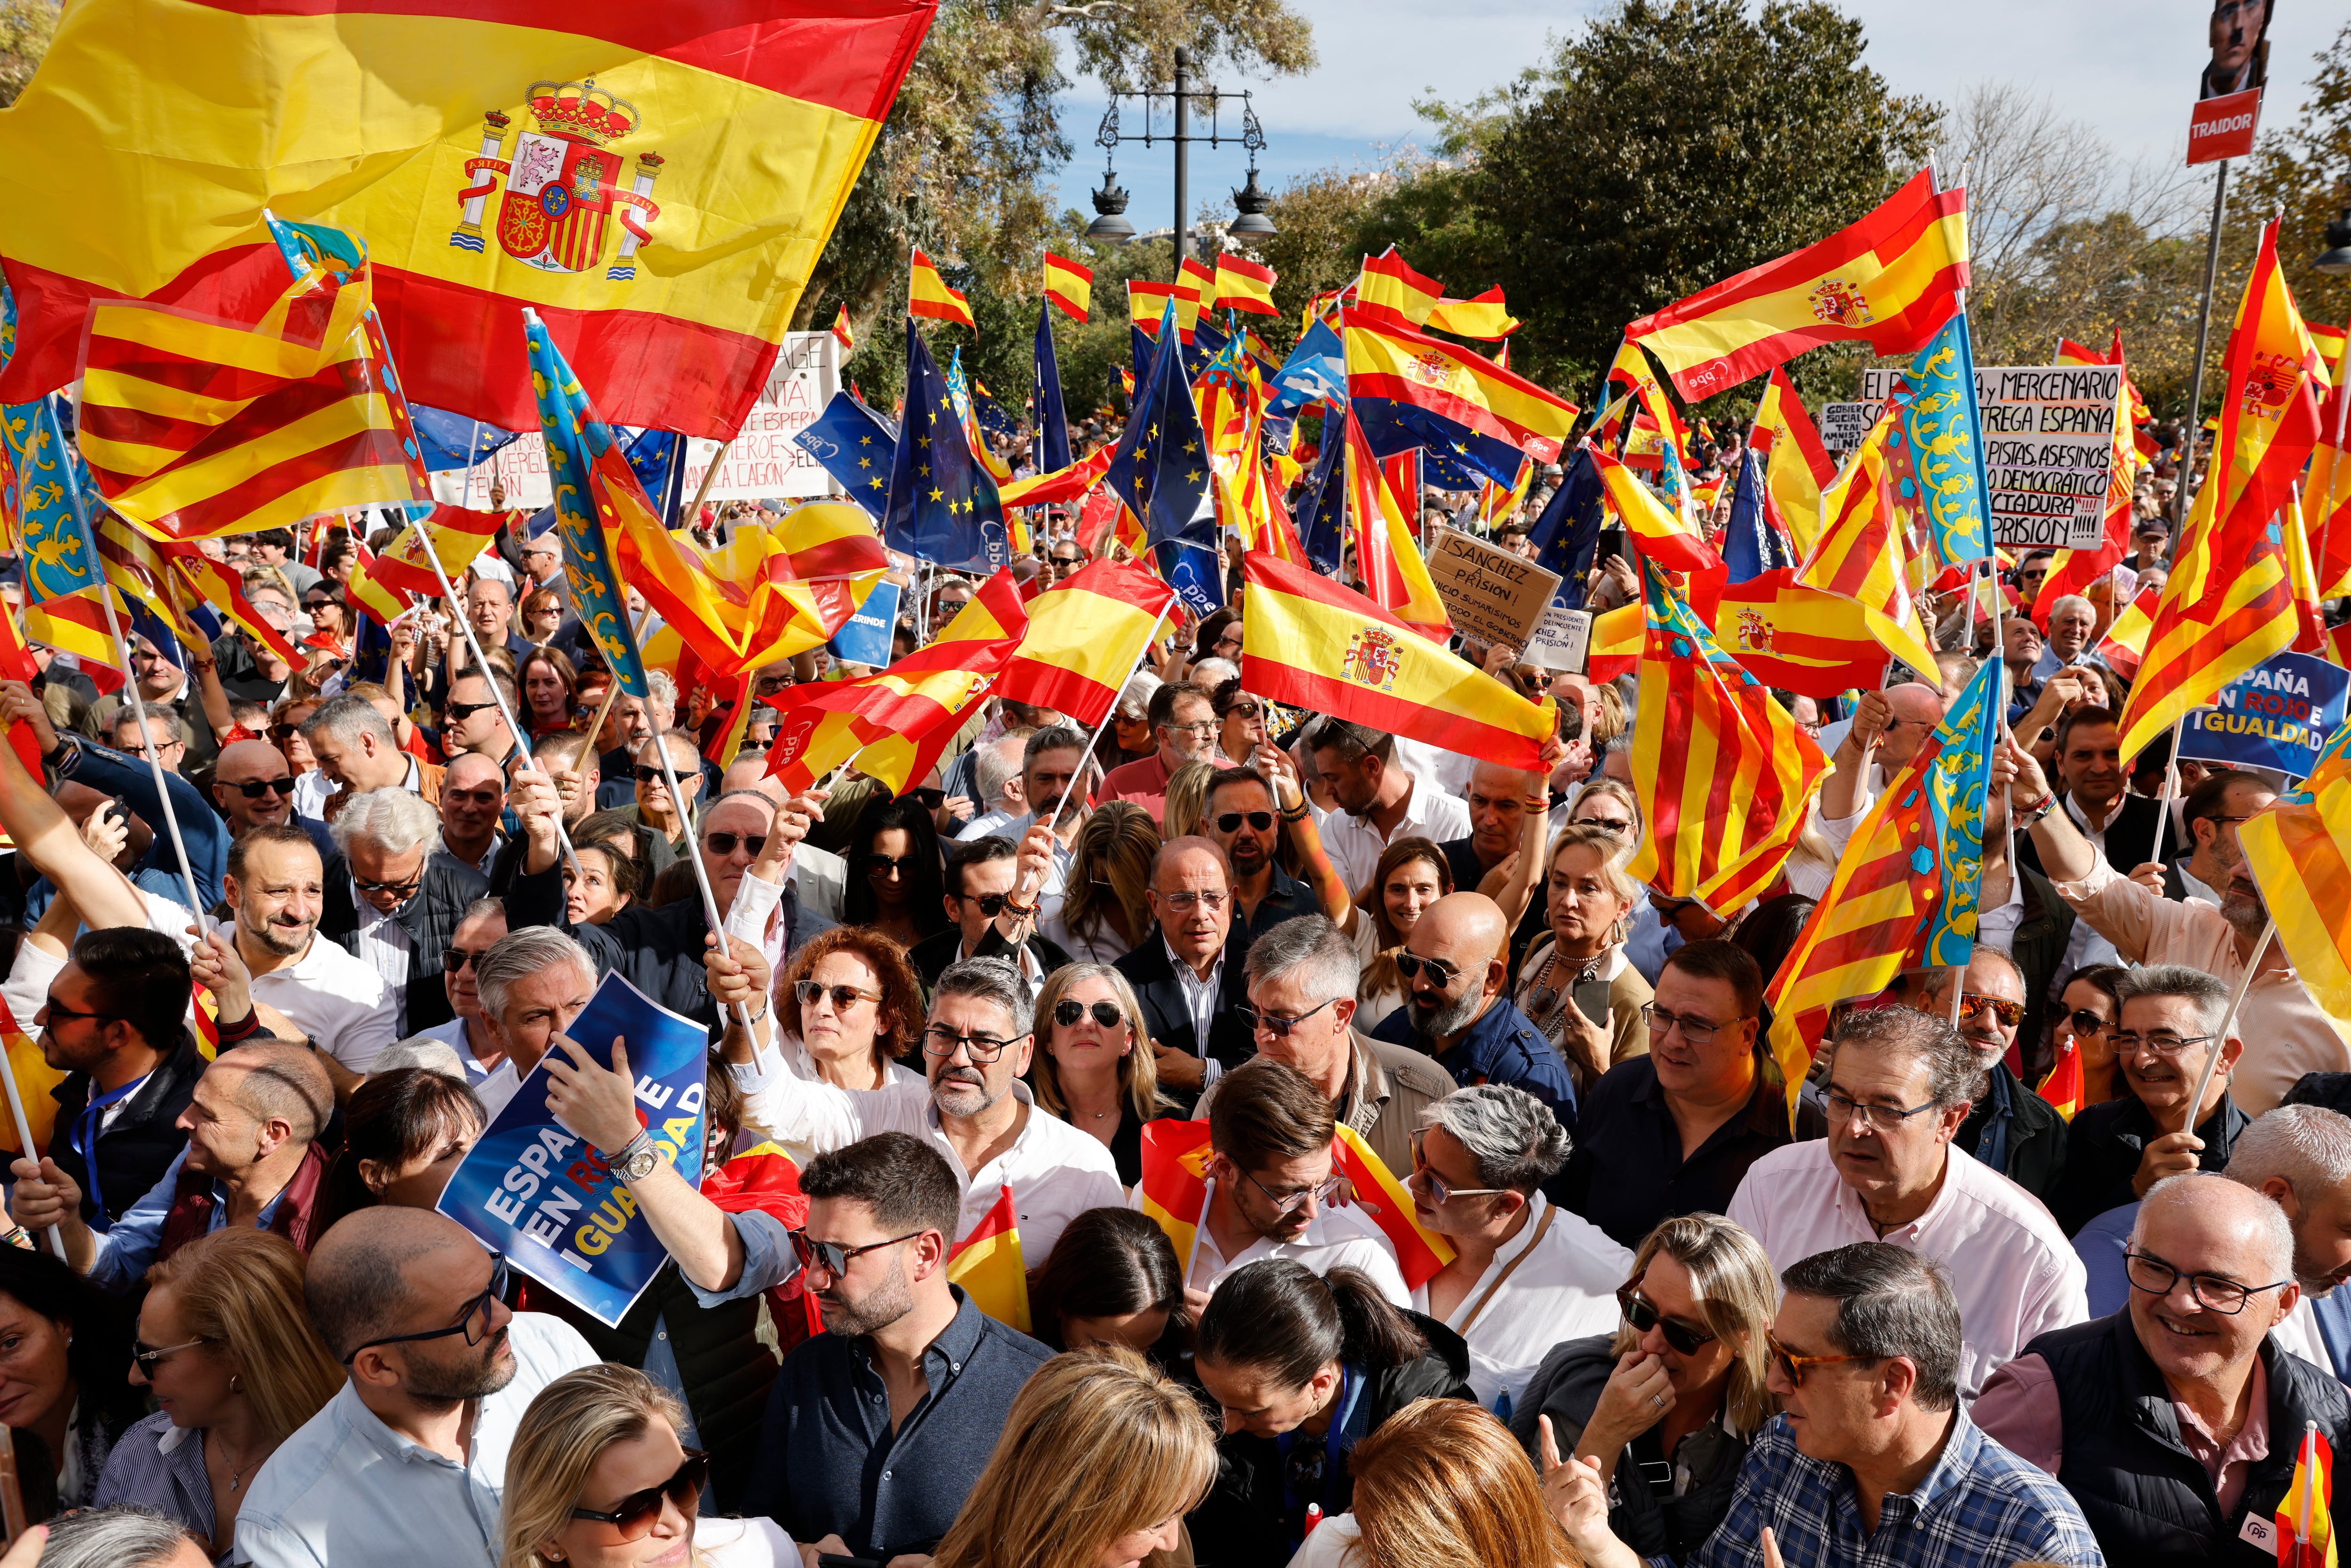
(1322, 514)
(857, 447)
(1754, 545)
(1161, 467)
(1052, 439)
(943, 506)
(1315, 372)
(1206, 343)
(1466, 457)
(659, 458)
(1567, 536)
(454, 440)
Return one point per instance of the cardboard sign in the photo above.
(1489, 592)
(2278, 715)
(2049, 448)
(1846, 425)
(2221, 128)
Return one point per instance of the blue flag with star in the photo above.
(1322, 509)
(1754, 547)
(1458, 458)
(1161, 467)
(942, 505)
(856, 447)
(455, 440)
(1567, 536)
(1052, 420)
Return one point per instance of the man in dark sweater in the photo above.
(2010, 1128)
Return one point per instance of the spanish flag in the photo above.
(1147, 302)
(1860, 555)
(1456, 384)
(1420, 1253)
(928, 296)
(2299, 852)
(1175, 1186)
(987, 1264)
(658, 182)
(1244, 284)
(35, 1081)
(1061, 484)
(1312, 644)
(1395, 576)
(1795, 638)
(1889, 281)
(1796, 466)
(1389, 290)
(2062, 1088)
(1083, 639)
(2305, 1515)
(1069, 285)
(1480, 316)
(456, 534)
(842, 335)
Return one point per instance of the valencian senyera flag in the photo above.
(657, 180)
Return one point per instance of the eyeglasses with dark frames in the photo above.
(1441, 971)
(479, 1307)
(458, 712)
(1286, 1203)
(2160, 1044)
(455, 960)
(990, 903)
(882, 868)
(2087, 1022)
(2213, 1293)
(404, 886)
(2009, 1013)
(723, 844)
(1696, 1031)
(1259, 821)
(1881, 1118)
(57, 1009)
(254, 788)
(984, 1049)
(150, 1357)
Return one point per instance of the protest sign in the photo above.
(1846, 425)
(864, 637)
(1489, 592)
(2278, 715)
(548, 1200)
(2222, 127)
(1561, 640)
(2049, 448)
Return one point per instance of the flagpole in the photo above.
(709, 477)
(2220, 1036)
(2203, 341)
(1078, 778)
(2334, 470)
(2171, 786)
(2309, 1468)
(25, 1137)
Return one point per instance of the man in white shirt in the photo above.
(1887, 1172)
(407, 1464)
(1888, 730)
(1379, 800)
(972, 1107)
(1271, 1185)
(1525, 1275)
(275, 886)
(531, 985)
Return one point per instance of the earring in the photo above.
(236, 1383)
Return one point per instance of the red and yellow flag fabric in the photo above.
(612, 166)
(1146, 304)
(1798, 639)
(1061, 484)
(2299, 852)
(1395, 576)
(1174, 1191)
(2124, 642)
(1663, 424)
(1069, 285)
(2305, 1515)
(1244, 284)
(1889, 281)
(2326, 492)
(1860, 554)
(1083, 639)
(987, 1264)
(2063, 1089)
(928, 296)
(841, 333)
(1310, 642)
(17, 664)
(1389, 290)
(456, 534)
(2269, 415)
(1796, 466)
(35, 1080)
(1482, 316)
(1421, 1253)
(1658, 534)
(1385, 359)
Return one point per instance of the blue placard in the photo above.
(544, 1197)
(864, 637)
(2279, 715)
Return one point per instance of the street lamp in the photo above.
(1250, 199)
(2335, 260)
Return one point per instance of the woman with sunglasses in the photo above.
(1107, 908)
(854, 1009)
(895, 885)
(1305, 1367)
(1412, 874)
(1131, 738)
(1240, 721)
(1096, 1070)
(227, 1350)
(2087, 1012)
(324, 605)
(598, 1479)
(1667, 1405)
(547, 679)
(541, 615)
(1576, 984)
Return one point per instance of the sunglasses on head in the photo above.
(1641, 1316)
(724, 843)
(1230, 822)
(1069, 1010)
(254, 790)
(641, 1510)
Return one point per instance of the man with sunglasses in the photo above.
(394, 900)
(1457, 1007)
(254, 787)
(1889, 1171)
(407, 1464)
(472, 721)
(1875, 1457)
(2009, 1129)
(983, 877)
(2175, 1422)
(1242, 819)
(481, 1054)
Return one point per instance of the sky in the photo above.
(2132, 83)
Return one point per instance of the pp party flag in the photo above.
(1244, 284)
(1310, 642)
(1459, 386)
(1421, 1254)
(987, 1264)
(1084, 637)
(2299, 852)
(614, 168)
(1161, 467)
(36, 1078)
(1946, 445)
(1959, 786)
(1796, 466)
(581, 498)
(1889, 281)
(1068, 286)
(2063, 1089)
(856, 447)
(841, 333)
(942, 503)
(1315, 372)
(1480, 316)
(455, 536)
(1794, 638)
(1389, 290)
(1174, 1191)
(2305, 1515)
(1860, 553)
(1724, 776)
(1395, 576)
(928, 296)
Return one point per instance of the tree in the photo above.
(2302, 170)
(26, 28)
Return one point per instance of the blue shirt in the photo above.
(2100, 1245)
(1500, 1047)
(128, 1248)
(1980, 1507)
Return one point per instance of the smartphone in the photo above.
(835, 1560)
(1611, 542)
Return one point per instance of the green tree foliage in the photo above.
(2300, 169)
(26, 28)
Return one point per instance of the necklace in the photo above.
(236, 1472)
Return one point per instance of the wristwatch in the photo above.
(637, 1158)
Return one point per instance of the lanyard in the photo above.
(85, 1138)
(1350, 1388)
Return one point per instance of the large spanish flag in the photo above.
(1796, 638)
(1312, 644)
(657, 180)
(1393, 572)
(987, 1264)
(1889, 281)
(1388, 359)
(1083, 640)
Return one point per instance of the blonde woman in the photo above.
(1099, 1460)
(1440, 1483)
(1187, 801)
(598, 1479)
(1569, 971)
(227, 1350)
(1106, 912)
(1095, 1069)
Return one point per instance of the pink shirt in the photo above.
(2014, 1273)
(1143, 781)
(2019, 1408)
(2286, 1031)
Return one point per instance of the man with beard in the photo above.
(1241, 818)
(1457, 1007)
(275, 890)
(1379, 799)
(408, 1463)
(2299, 1156)
(2010, 1129)
(2211, 812)
(2286, 1032)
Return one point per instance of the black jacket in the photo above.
(1151, 972)
(2016, 1133)
(431, 919)
(2101, 1153)
(2150, 1503)
(142, 1143)
(934, 953)
(1247, 1523)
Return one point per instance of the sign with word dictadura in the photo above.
(2049, 448)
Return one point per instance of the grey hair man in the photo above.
(124, 1535)
(971, 1105)
(532, 983)
(996, 781)
(1525, 1275)
(394, 900)
(2299, 1157)
(356, 748)
(1302, 978)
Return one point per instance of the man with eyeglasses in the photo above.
(2169, 1028)
(2221, 800)
(1457, 1007)
(1888, 1170)
(471, 719)
(654, 808)
(1184, 719)
(2175, 1422)
(1067, 560)
(394, 900)
(1190, 982)
(407, 1464)
(2009, 1128)
(1379, 799)
(1876, 1458)
(982, 879)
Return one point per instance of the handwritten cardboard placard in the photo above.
(1489, 592)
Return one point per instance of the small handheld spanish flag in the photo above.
(987, 1264)
(2062, 1088)
(2305, 1524)
(928, 296)
(1070, 286)
(842, 334)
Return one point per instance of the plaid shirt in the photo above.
(1980, 1507)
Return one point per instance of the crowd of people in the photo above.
(1681, 1310)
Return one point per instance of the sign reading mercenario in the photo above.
(2049, 440)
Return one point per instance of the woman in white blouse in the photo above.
(855, 1010)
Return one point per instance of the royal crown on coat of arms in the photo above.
(1841, 303)
(1371, 659)
(562, 191)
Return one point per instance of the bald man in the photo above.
(1457, 1007)
(1887, 729)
